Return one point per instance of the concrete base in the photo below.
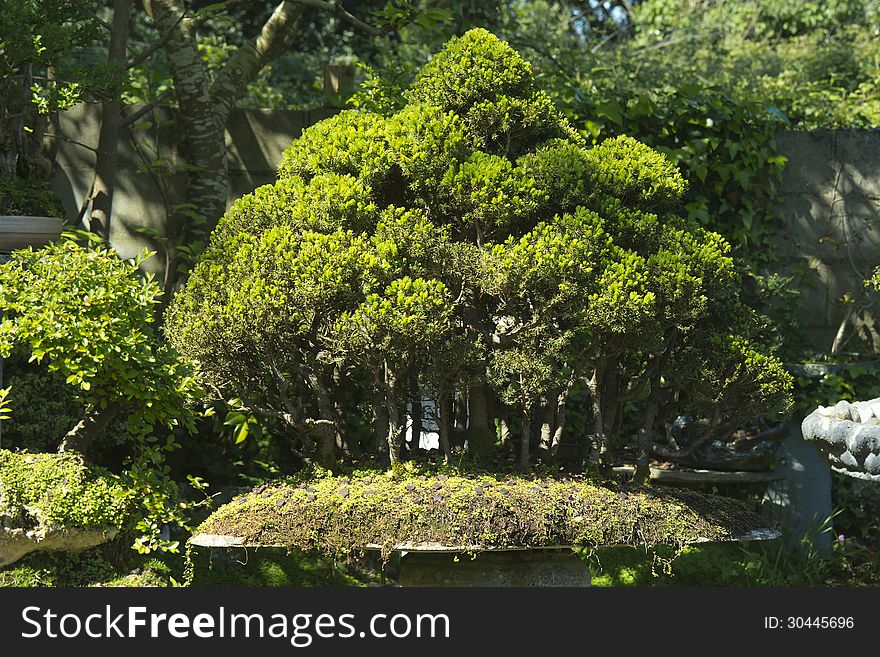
(800, 503)
(507, 568)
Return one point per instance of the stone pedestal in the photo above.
(497, 568)
(800, 502)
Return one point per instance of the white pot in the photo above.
(22, 232)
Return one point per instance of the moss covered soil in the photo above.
(430, 507)
(58, 490)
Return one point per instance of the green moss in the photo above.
(57, 490)
(338, 514)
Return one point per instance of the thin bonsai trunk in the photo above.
(395, 426)
(646, 430)
(380, 415)
(480, 439)
(111, 124)
(80, 438)
(327, 425)
(547, 425)
(525, 438)
(598, 439)
(415, 413)
(561, 401)
(461, 410)
(504, 424)
(610, 404)
(444, 422)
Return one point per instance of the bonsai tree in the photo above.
(84, 318)
(473, 249)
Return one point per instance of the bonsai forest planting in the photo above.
(468, 249)
(484, 312)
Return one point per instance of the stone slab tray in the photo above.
(221, 541)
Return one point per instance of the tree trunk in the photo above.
(547, 425)
(598, 438)
(80, 438)
(646, 430)
(525, 439)
(444, 422)
(395, 424)
(481, 440)
(504, 425)
(111, 124)
(561, 401)
(380, 415)
(202, 121)
(328, 423)
(461, 410)
(415, 401)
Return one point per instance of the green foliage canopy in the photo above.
(473, 224)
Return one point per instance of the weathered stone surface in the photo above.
(510, 568)
(17, 542)
(848, 434)
(800, 501)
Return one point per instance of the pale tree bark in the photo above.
(561, 403)
(201, 122)
(380, 414)
(80, 438)
(548, 423)
(598, 437)
(395, 422)
(646, 430)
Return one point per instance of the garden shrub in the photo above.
(46, 408)
(85, 317)
(479, 254)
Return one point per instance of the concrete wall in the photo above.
(830, 242)
(146, 179)
(830, 195)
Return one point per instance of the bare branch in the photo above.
(72, 141)
(336, 9)
(146, 109)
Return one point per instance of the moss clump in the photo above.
(338, 514)
(57, 490)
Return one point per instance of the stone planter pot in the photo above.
(18, 232)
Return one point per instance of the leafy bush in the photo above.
(472, 249)
(87, 316)
(46, 408)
